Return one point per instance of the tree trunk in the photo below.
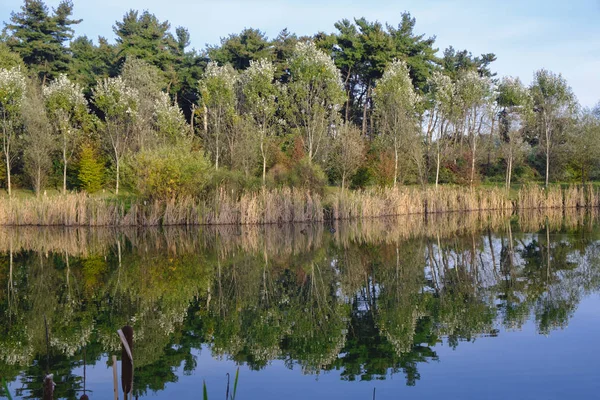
(364, 121)
(64, 169)
(473, 153)
(547, 160)
(38, 182)
(395, 162)
(437, 168)
(264, 157)
(8, 184)
(118, 170)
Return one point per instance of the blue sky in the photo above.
(525, 35)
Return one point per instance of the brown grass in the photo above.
(287, 205)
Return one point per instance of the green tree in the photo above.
(314, 96)
(118, 104)
(440, 114)
(240, 49)
(553, 104)
(218, 92)
(12, 93)
(38, 36)
(90, 62)
(395, 107)
(143, 36)
(39, 140)
(515, 103)
(91, 170)
(585, 142)
(348, 152)
(474, 99)
(9, 59)
(260, 95)
(67, 108)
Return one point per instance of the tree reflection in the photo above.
(367, 301)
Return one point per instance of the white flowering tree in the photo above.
(514, 101)
(395, 110)
(474, 97)
(441, 113)
(12, 93)
(348, 152)
(260, 93)
(218, 93)
(169, 120)
(67, 109)
(553, 102)
(118, 104)
(315, 94)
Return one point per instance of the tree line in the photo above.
(371, 104)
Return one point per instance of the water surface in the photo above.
(458, 306)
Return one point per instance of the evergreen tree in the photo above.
(239, 49)
(38, 36)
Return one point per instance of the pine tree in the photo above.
(38, 36)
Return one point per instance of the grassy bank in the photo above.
(286, 205)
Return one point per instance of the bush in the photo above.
(308, 176)
(91, 170)
(169, 172)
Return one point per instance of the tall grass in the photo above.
(286, 205)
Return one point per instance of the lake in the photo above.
(465, 306)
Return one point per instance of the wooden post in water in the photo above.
(115, 385)
(126, 336)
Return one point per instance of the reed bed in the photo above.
(287, 205)
(533, 197)
(406, 201)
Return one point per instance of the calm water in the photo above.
(459, 306)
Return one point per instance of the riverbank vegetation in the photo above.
(259, 130)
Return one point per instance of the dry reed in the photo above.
(287, 205)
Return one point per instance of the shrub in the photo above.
(91, 170)
(169, 172)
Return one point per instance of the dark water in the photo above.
(459, 306)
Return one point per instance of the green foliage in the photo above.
(38, 36)
(91, 169)
(305, 174)
(169, 172)
(239, 50)
(9, 59)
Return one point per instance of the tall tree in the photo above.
(395, 110)
(240, 49)
(67, 109)
(38, 138)
(38, 36)
(218, 92)
(474, 97)
(260, 94)
(12, 94)
(143, 36)
(515, 110)
(440, 115)
(91, 62)
(148, 81)
(585, 142)
(348, 152)
(553, 103)
(118, 104)
(315, 93)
